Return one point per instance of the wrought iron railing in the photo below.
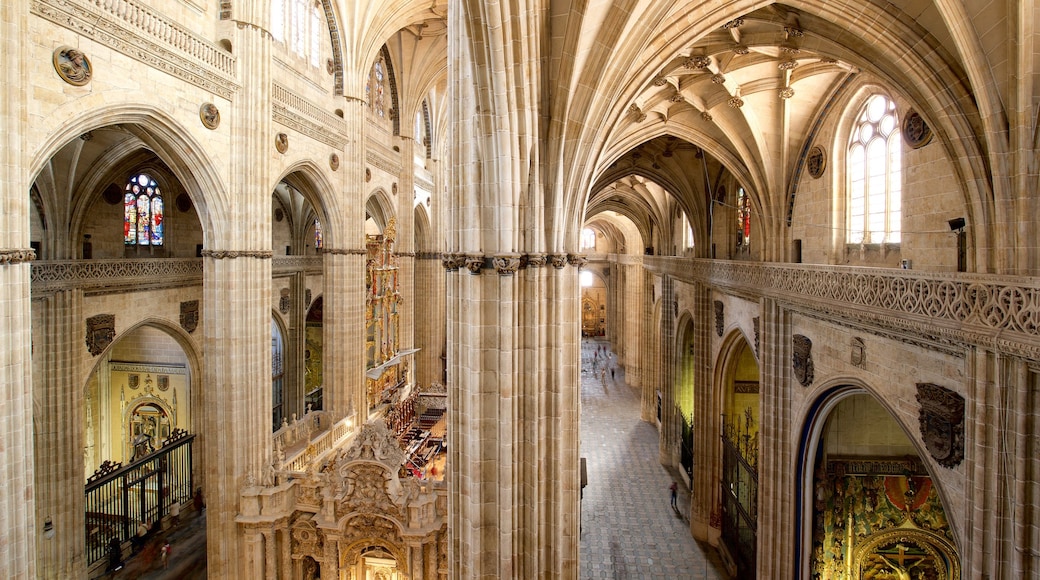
(118, 498)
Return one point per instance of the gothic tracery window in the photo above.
(875, 175)
(142, 212)
(298, 24)
(319, 240)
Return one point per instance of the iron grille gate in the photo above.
(740, 497)
(118, 498)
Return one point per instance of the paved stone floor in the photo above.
(629, 529)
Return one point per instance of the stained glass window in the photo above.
(319, 243)
(375, 88)
(142, 212)
(874, 168)
(743, 219)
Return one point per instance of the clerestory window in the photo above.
(874, 172)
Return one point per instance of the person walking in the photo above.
(164, 554)
(675, 495)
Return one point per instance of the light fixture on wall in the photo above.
(956, 224)
(48, 529)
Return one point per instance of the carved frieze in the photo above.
(804, 369)
(101, 331)
(190, 315)
(720, 317)
(17, 256)
(942, 423)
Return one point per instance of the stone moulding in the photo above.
(966, 308)
(143, 34)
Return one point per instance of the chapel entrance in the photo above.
(740, 425)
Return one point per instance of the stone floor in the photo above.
(187, 560)
(629, 529)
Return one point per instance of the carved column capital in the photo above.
(506, 264)
(474, 262)
(558, 261)
(578, 260)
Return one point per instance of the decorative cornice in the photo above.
(423, 184)
(231, 254)
(148, 36)
(17, 256)
(114, 276)
(406, 254)
(428, 256)
(345, 251)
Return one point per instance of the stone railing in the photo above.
(979, 306)
(295, 457)
(146, 35)
(115, 275)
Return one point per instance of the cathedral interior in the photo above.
(364, 241)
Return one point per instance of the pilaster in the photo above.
(705, 485)
(59, 404)
(18, 527)
(646, 364)
(343, 333)
(236, 397)
(776, 472)
(671, 428)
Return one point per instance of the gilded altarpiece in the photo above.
(870, 523)
(382, 319)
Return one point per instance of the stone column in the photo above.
(776, 462)
(646, 351)
(18, 527)
(705, 486)
(670, 437)
(430, 320)
(59, 409)
(343, 333)
(343, 321)
(236, 396)
(405, 248)
(296, 347)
